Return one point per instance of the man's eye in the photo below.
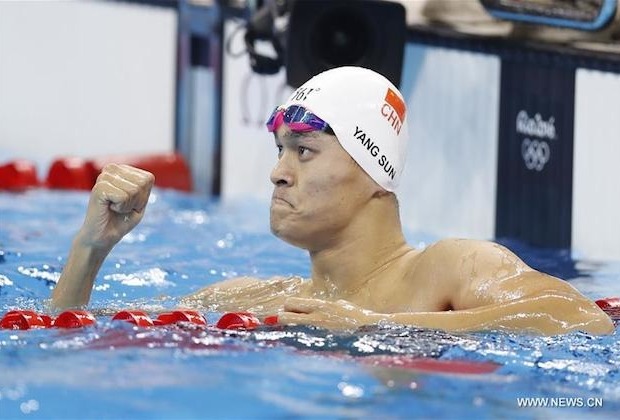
(279, 147)
(302, 150)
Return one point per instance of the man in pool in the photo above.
(341, 140)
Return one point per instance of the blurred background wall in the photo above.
(85, 78)
(102, 77)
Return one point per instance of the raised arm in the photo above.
(116, 206)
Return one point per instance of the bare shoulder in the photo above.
(470, 270)
(484, 272)
(474, 254)
(461, 246)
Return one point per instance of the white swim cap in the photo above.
(368, 115)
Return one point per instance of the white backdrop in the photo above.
(85, 78)
(449, 183)
(596, 169)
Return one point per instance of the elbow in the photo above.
(597, 322)
(567, 312)
(603, 325)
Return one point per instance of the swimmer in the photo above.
(340, 140)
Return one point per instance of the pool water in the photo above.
(115, 370)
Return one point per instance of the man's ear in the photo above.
(377, 190)
(380, 193)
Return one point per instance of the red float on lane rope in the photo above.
(192, 317)
(611, 306)
(608, 303)
(18, 175)
(271, 320)
(170, 170)
(71, 173)
(238, 320)
(135, 317)
(24, 320)
(74, 319)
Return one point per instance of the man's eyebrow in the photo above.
(297, 137)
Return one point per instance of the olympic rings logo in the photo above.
(535, 154)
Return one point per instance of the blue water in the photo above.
(113, 370)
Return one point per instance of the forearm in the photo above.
(543, 313)
(76, 281)
(263, 297)
(116, 205)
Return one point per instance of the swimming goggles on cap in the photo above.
(297, 118)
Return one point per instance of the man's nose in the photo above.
(282, 173)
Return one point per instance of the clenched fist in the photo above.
(116, 205)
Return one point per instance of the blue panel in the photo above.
(534, 174)
(521, 14)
